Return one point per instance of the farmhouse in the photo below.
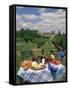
(48, 34)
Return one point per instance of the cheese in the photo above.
(34, 64)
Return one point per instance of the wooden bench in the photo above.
(26, 54)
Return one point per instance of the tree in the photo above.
(53, 32)
(26, 39)
(59, 33)
(28, 29)
(20, 33)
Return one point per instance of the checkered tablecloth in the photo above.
(43, 75)
(35, 76)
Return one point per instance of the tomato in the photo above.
(56, 62)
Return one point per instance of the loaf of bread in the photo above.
(26, 64)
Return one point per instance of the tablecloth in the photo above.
(44, 75)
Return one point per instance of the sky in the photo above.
(42, 19)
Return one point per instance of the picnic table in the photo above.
(43, 75)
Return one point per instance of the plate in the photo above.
(42, 67)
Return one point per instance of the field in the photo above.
(31, 44)
(48, 46)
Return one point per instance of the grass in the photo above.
(19, 48)
(26, 46)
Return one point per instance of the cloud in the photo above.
(48, 21)
(18, 7)
(41, 10)
(18, 17)
(29, 16)
(54, 20)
